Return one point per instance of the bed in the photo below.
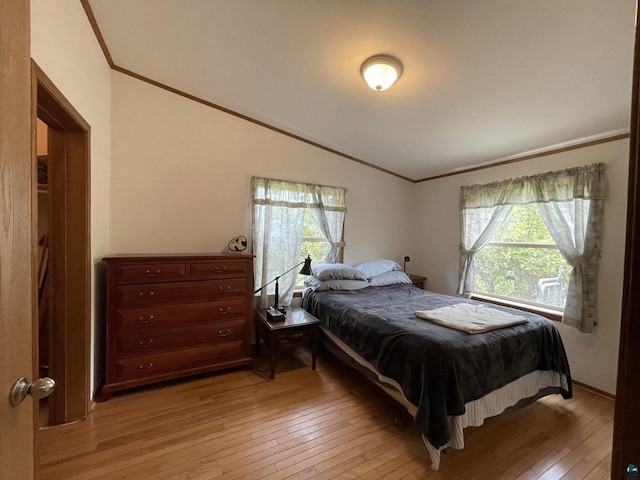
(447, 379)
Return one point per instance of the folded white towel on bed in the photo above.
(471, 318)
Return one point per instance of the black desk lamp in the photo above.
(278, 310)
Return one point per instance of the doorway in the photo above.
(41, 210)
(61, 251)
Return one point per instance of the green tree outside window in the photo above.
(523, 262)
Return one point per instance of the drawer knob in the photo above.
(141, 294)
(225, 311)
(152, 273)
(142, 367)
(225, 289)
(224, 333)
(145, 321)
(142, 343)
(220, 270)
(295, 336)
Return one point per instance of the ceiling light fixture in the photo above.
(381, 71)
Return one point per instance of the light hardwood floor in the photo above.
(331, 423)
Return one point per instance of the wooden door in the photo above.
(16, 308)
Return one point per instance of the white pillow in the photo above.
(372, 268)
(341, 284)
(336, 271)
(389, 278)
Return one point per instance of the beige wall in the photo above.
(593, 357)
(180, 183)
(181, 172)
(171, 175)
(65, 47)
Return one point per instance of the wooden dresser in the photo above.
(172, 316)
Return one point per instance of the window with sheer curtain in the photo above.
(523, 262)
(292, 220)
(570, 204)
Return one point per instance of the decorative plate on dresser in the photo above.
(173, 316)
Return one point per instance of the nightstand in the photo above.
(417, 280)
(298, 329)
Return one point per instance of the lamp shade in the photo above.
(381, 71)
(306, 268)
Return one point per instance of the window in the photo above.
(523, 262)
(314, 243)
(504, 249)
(290, 221)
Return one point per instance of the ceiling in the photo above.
(483, 80)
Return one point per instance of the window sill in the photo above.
(551, 314)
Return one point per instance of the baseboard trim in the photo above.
(595, 390)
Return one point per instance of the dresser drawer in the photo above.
(150, 273)
(218, 269)
(152, 365)
(179, 292)
(152, 341)
(146, 318)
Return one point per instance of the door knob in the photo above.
(42, 387)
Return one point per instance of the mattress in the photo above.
(449, 378)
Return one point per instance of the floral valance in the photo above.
(588, 183)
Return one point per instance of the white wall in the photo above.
(181, 173)
(65, 47)
(593, 356)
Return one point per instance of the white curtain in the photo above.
(329, 213)
(278, 208)
(479, 226)
(576, 227)
(571, 203)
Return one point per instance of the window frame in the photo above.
(549, 311)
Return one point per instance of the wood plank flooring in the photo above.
(331, 423)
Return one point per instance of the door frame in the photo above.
(626, 424)
(69, 247)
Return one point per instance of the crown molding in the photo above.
(255, 121)
(97, 32)
(513, 159)
(529, 156)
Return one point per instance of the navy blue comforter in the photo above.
(439, 369)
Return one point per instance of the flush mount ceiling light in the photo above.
(381, 71)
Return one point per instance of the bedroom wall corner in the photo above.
(64, 46)
(593, 357)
